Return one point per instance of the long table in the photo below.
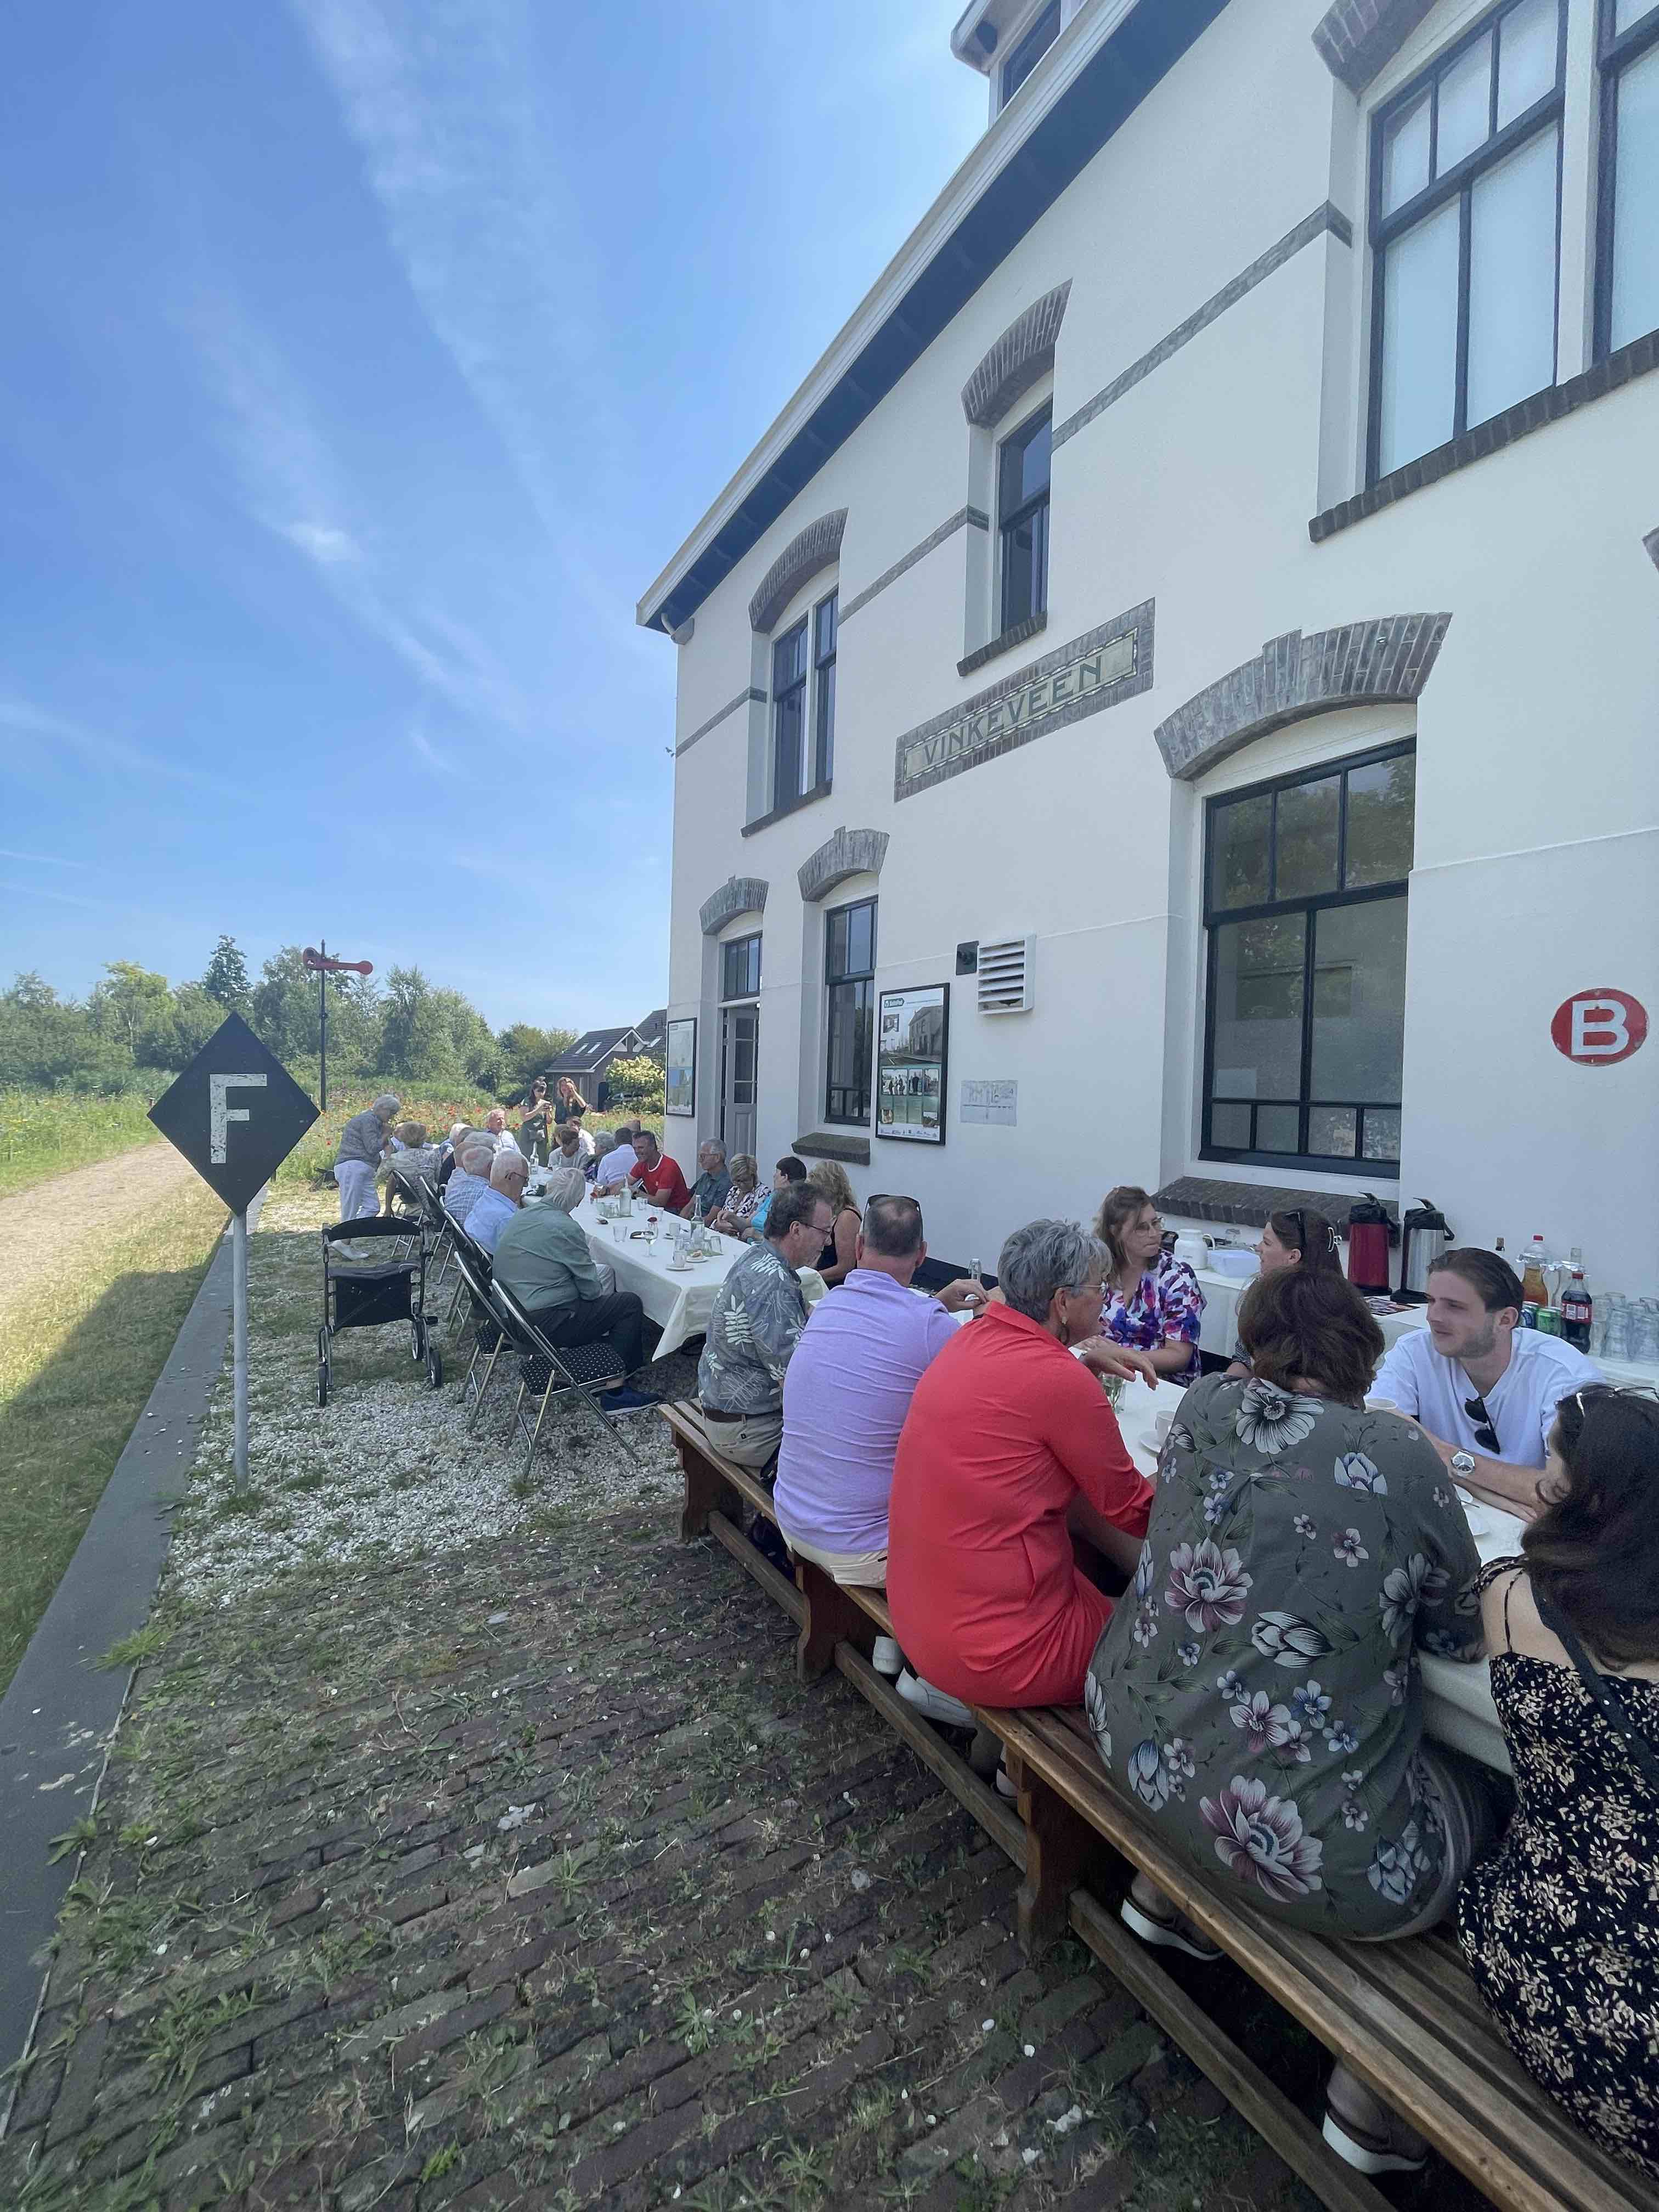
(680, 1305)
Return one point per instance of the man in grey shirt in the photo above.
(542, 1257)
(759, 1314)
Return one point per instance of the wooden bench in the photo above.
(1404, 2016)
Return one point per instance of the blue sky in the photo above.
(362, 362)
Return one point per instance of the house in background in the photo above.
(587, 1059)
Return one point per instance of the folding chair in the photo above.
(464, 1246)
(545, 1374)
(441, 1225)
(488, 1338)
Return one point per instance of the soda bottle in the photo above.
(1533, 1289)
(1578, 1307)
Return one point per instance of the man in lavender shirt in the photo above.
(848, 1389)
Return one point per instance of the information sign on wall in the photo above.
(680, 1086)
(912, 1037)
(1598, 1027)
(993, 1101)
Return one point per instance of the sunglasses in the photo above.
(1484, 1434)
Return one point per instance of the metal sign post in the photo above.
(325, 967)
(235, 1114)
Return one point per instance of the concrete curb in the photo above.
(58, 1717)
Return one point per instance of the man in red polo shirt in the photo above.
(657, 1175)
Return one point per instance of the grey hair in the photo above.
(477, 1157)
(386, 1105)
(503, 1165)
(714, 1144)
(565, 1188)
(1046, 1256)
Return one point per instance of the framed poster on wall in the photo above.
(912, 1035)
(680, 1085)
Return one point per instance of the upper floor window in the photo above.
(1022, 517)
(740, 967)
(1465, 201)
(1029, 51)
(788, 712)
(1305, 909)
(1627, 292)
(849, 974)
(825, 622)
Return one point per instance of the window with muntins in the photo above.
(1627, 260)
(1305, 913)
(1465, 222)
(825, 622)
(1022, 517)
(849, 975)
(788, 712)
(1029, 51)
(740, 967)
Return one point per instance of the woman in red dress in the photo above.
(1011, 1449)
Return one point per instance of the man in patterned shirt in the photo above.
(759, 1314)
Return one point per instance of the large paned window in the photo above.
(1029, 51)
(1465, 218)
(1627, 288)
(1305, 918)
(788, 712)
(740, 967)
(825, 622)
(849, 974)
(1022, 517)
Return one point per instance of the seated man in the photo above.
(509, 1171)
(588, 1157)
(658, 1176)
(848, 1389)
(410, 1158)
(567, 1151)
(712, 1185)
(617, 1164)
(1483, 1391)
(542, 1258)
(759, 1314)
(788, 1169)
(496, 1130)
(471, 1180)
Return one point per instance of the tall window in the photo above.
(788, 712)
(1023, 518)
(1465, 216)
(824, 625)
(740, 972)
(1029, 51)
(1305, 915)
(849, 973)
(1628, 290)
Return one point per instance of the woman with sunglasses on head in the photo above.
(1295, 1236)
(1559, 1929)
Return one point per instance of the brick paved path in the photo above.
(531, 1877)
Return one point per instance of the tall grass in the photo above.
(46, 1132)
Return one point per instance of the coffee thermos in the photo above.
(1368, 1245)
(1423, 1229)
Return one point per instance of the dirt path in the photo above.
(39, 1226)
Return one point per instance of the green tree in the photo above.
(526, 1052)
(49, 1043)
(284, 1015)
(134, 1004)
(196, 1012)
(637, 1083)
(226, 979)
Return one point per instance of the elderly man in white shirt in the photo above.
(1483, 1390)
(617, 1165)
(471, 1177)
(509, 1171)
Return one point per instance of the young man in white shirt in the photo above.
(1482, 1390)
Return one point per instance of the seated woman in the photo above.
(733, 1218)
(1009, 1448)
(1261, 1696)
(1559, 1927)
(1152, 1299)
(1295, 1237)
(837, 1261)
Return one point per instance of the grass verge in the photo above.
(77, 1363)
(44, 1133)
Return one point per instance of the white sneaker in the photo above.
(1148, 1913)
(934, 1702)
(1363, 2130)
(1004, 1787)
(886, 1657)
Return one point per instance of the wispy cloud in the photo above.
(39, 859)
(39, 742)
(58, 898)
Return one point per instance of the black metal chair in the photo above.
(488, 1338)
(545, 1374)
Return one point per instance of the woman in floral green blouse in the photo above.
(1260, 1695)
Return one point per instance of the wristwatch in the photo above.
(1462, 1464)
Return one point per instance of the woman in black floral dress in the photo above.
(1561, 1928)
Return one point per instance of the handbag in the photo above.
(1640, 1747)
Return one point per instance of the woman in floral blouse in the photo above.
(1260, 1694)
(1152, 1299)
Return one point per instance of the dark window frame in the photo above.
(1307, 905)
(826, 618)
(1023, 60)
(750, 946)
(1007, 524)
(795, 692)
(861, 983)
(1455, 184)
(1614, 55)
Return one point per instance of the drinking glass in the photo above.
(1615, 1336)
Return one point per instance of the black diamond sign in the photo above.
(235, 1113)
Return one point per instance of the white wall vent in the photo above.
(1005, 974)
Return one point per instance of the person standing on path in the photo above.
(362, 1146)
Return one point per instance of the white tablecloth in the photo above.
(680, 1305)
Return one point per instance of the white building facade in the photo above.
(1202, 612)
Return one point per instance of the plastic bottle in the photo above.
(1577, 1307)
(1533, 1289)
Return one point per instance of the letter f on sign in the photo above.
(1600, 1030)
(222, 1115)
